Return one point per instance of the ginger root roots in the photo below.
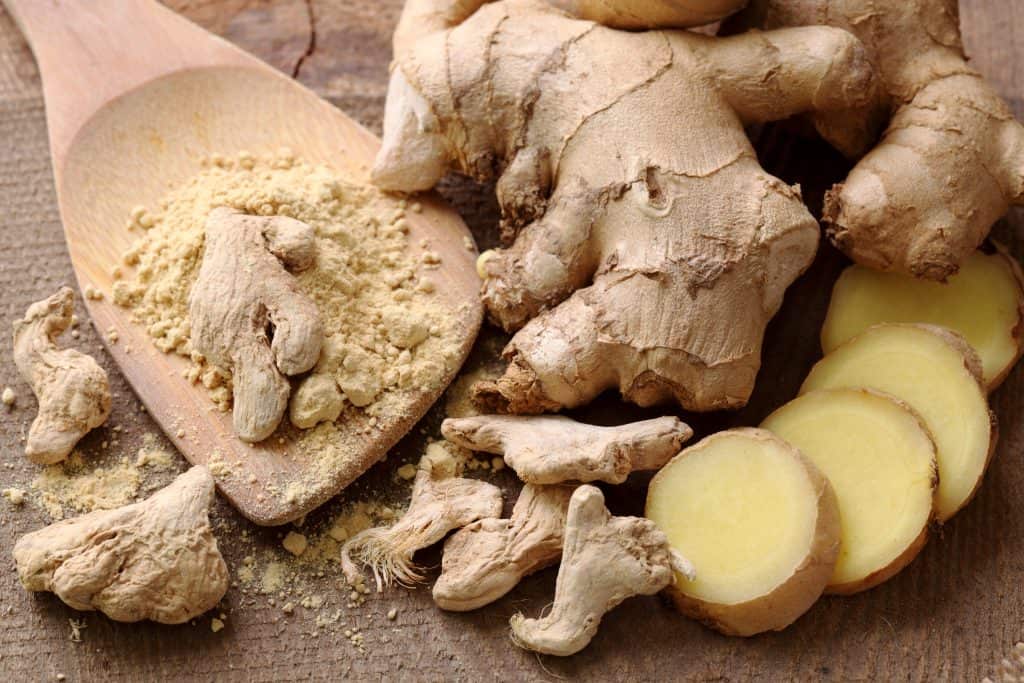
(485, 560)
(441, 502)
(556, 449)
(157, 559)
(248, 315)
(72, 389)
(605, 560)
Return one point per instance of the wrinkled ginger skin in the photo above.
(952, 160)
(645, 14)
(72, 389)
(243, 288)
(156, 559)
(606, 559)
(652, 248)
(485, 560)
(554, 449)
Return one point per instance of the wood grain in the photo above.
(952, 615)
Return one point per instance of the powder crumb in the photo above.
(216, 625)
(407, 471)
(497, 464)
(77, 626)
(8, 397)
(14, 495)
(273, 578)
(392, 614)
(152, 456)
(295, 543)
(288, 608)
(93, 293)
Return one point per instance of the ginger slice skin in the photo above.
(763, 563)
(156, 559)
(72, 389)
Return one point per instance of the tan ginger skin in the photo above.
(652, 248)
(441, 502)
(553, 449)
(244, 289)
(72, 389)
(485, 560)
(156, 559)
(952, 160)
(606, 559)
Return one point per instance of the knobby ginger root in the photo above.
(556, 449)
(441, 502)
(880, 461)
(983, 302)
(248, 315)
(939, 375)
(652, 248)
(485, 560)
(759, 522)
(72, 389)
(952, 160)
(157, 559)
(605, 560)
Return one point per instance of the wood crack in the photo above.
(310, 44)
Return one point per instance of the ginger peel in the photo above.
(156, 559)
(71, 387)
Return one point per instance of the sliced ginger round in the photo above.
(880, 460)
(984, 302)
(759, 523)
(939, 375)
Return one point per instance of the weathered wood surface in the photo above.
(952, 615)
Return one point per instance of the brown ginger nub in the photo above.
(156, 559)
(248, 315)
(441, 502)
(485, 560)
(606, 559)
(71, 387)
(551, 449)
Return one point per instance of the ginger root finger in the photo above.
(71, 387)
(605, 560)
(938, 374)
(557, 449)
(248, 315)
(759, 522)
(485, 560)
(156, 559)
(880, 460)
(441, 502)
(983, 302)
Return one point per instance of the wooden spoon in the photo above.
(135, 95)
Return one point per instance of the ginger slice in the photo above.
(880, 461)
(759, 522)
(156, 559)
(248, 315)
(556, 449)
(485, 560)
(441, 502)
(984, 302)
(939, 375)
(71, 387)
(606, 559)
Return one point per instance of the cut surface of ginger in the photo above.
(759, 523)
(880, 460)
(983, 302)
(938, 374)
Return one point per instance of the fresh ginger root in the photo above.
(606, 559)
(952, 160)
(551, 449)
(248, 315)
(71, 387)
(880, 460)
(760, 524)
(157, 559)
(485, 560)
(938, 374)
(441, 502)
(652, 248)
(983, 302)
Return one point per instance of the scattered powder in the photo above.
(216, 624)
(14, 495)
(295, 543)
(152, 456)
(8, 397)
(407, 471)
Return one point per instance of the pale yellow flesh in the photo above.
(742, 510)
(881, 464)
(981, 302)
(928, 373)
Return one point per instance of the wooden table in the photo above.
(952, 615)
